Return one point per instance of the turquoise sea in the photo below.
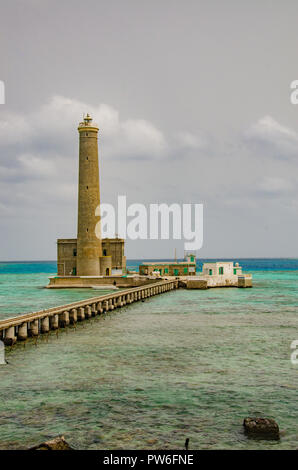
(182, 364)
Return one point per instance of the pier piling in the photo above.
(23, 332)
(45, 325)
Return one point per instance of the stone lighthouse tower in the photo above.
(89, 246)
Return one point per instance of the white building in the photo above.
(222, 268)
(223, 274)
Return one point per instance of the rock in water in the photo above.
(58, 443)
(265, 428)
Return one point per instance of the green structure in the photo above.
(170, 268)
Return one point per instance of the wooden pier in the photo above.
(33, 324)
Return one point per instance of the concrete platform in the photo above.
(62, 282)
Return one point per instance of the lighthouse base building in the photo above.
(112, 261)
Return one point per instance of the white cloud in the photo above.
(273, 138)
(267, 126)
(54, 125)
(141, 138)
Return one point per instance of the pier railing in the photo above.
(21, 327)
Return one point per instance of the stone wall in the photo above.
(196, 284)
(114, 247)
(66, 257)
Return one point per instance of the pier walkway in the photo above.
(33, 324)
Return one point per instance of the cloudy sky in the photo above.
(193, 102)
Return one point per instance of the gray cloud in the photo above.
(139, 160)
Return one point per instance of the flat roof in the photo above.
(219, 262)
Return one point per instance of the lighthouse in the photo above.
(89, 255)
(89, 246)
